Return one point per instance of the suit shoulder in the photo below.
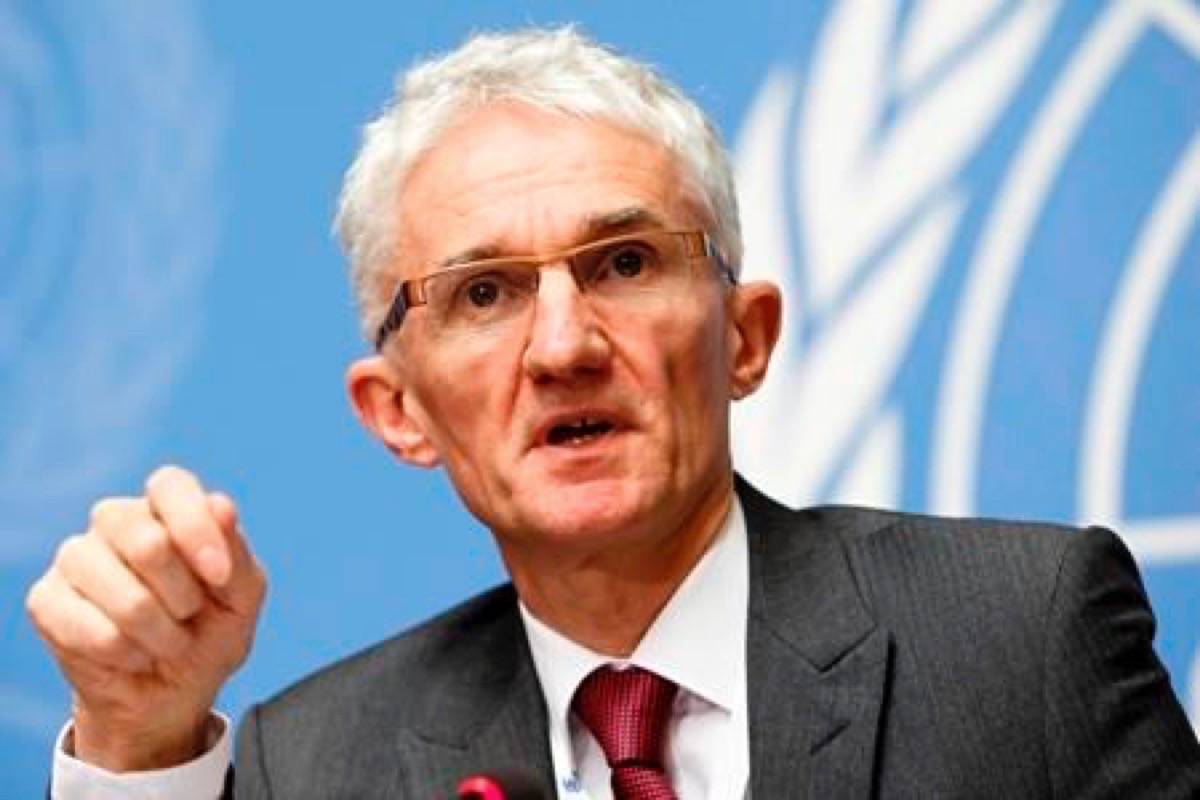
(987, 576)
(343, 728)
(1007, 555)
(855, 524)
(890, 550)
(406, 665)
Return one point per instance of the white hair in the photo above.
(553, 69)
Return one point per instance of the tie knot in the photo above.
(627, 711)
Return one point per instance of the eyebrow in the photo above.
(596, 226)
(593, 226)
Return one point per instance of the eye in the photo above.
(632, 261)
(628, 261)
(483, 292)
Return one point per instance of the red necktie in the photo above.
(627, 711)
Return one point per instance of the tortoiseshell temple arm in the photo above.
(408, 294)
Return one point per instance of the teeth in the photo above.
(579, 430)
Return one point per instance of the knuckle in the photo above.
(47, 611)
(164, 477)
(100, 510)
(69, 550)
(106, 510)
(108, 643)
(35, 601)
(134, 611)
(147, 546)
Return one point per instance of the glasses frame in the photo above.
(414, 292)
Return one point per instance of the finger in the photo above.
(145, 546)
(93, 570)
(78, 631)
(178, 500)
(247, 584)
(223, 509)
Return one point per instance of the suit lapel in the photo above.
(816, 669)
(487, 716)
(816, 660)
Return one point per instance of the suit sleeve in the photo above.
(1114, 728)
(251, 783)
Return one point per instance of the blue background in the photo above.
(248, 355)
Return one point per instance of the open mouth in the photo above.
(579, 431)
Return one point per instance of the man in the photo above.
(544, 241)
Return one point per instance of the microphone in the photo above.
(500, 785)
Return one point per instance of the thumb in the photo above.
(244, 591)
(224, 511)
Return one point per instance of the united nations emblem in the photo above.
(111, 119)
(985, 220)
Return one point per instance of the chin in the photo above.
(600, 511)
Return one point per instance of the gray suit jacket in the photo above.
(889, 655)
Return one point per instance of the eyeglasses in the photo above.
(624, 272)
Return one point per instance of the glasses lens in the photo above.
(623, 272)
(480, 295)
(631, 266)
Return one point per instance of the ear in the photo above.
(388, 411)
(755, 316)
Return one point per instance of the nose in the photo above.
(566, 340)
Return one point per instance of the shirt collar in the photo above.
(697, 640)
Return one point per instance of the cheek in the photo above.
(694, 372)
(469, 394)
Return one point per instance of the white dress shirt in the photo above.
(698, 641)
(201, 779)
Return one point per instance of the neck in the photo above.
(607, 599)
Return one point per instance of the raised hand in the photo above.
(148, 613)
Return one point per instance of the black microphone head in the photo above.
(501, 784)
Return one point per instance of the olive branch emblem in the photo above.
(856, 227)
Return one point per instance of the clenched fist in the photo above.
(148, 614)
